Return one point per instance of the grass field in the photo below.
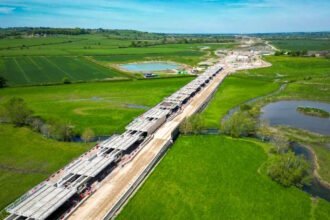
(26, 158)
(291, 68)
(307, 78)
(323, 155)
(105, 107)
(248, 84)
(91, 44)
(186, 57)
(302, 44)
(234, 91)
(215, 177)
(38, 70)
(61, 45)
(11, 43)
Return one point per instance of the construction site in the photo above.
(98, 183)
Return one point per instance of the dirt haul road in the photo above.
(117, 183)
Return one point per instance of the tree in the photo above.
(304, 52)
(66, 80)
(263, 131)
(62, 132)
(197, 123)
(3, 82)
(186, 127)
(87, 135)
(3, 115)
(133, 44)
(35, 123)
(245, 107)
(280, 142)
(277, 53)
(289, 170)
(192, 125)
(17, 111)
(239, 124)
(46, 129)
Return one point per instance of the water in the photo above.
(285, 113)
(316, 188)
(95, 139)
(137, 106)
(149, 66)
(251, 101)
(210, 131)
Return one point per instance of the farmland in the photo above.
(224, 183)
(312, 44)
(32, 159)
(39, 70)
(91, 57)
(106, 107)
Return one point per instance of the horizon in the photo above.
(184, 17)
(196, 33)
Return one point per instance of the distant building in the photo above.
(242, 58)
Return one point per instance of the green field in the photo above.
(186, 57)
(38, 70)
(249, 84)
(285, 68)
(43, 60)
(105, 107)
(233, 92)
(306, 78)
(20, 43)
(215, 177)
(323, 155)
(302, 44)
(26, 158)
(91, 44)
(202, 177)
(61, 45)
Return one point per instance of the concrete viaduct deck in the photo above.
(115, 190)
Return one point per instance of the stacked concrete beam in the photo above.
(43, 202)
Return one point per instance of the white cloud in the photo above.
(6, 10)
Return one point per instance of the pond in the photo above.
(149, 66)
(316, 188)
(100, 138)
(285, 113)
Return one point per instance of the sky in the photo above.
(170, 16)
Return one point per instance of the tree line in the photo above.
(296, 53)
(16, 112)
(182, 40)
